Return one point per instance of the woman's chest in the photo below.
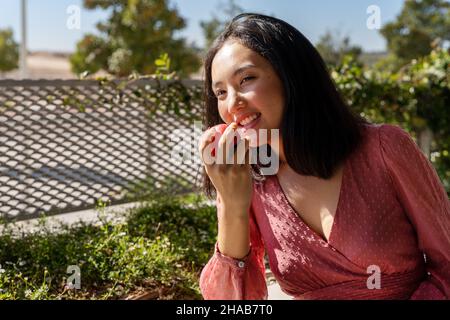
(314, 200)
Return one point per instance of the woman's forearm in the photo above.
(233, 233)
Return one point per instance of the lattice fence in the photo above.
(66, 144)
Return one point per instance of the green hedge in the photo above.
(159, 248)
(417, 97)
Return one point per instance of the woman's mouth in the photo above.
(250, 121)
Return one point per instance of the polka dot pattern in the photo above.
(392, 210)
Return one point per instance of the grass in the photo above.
(159, 249)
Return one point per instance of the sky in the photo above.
(48, 31)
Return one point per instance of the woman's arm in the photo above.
(233, 231)
(228, 278)
(424, 199)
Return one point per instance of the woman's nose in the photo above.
(235, 103)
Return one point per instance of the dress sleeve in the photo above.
(226, 278)
(425, 201)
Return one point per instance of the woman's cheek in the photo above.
(223, 112)
(252, 95)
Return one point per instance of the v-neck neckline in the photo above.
(338, 206)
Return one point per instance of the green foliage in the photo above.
(333, 48)
(416, 97)
(91, 54)
(420, 23)
(163, 67)
(9, 51)
(429, 79)
(191, 228)
(212, 28)
(162, 244)
(135, 34)
(164, 91)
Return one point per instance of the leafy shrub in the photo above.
(161, 244)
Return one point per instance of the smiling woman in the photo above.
(354, 206)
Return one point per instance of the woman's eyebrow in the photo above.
(236, 72)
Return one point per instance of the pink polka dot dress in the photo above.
(390, 237)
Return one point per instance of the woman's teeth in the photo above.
(248, 119)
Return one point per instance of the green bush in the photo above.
(162, 244)
(416, 97)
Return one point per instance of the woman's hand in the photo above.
(229, 171)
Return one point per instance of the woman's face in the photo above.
(246, 84)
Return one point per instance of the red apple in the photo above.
(220, 128)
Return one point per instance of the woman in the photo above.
(355, 210)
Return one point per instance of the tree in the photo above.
(213, 27)
(9, 51)
(420, 23)
(333, 48)
(134, 36)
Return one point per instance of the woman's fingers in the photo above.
(228, 148)
(226, 144)
(240, 155)
(206, 145)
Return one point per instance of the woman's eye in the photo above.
(221, 92)
(246, 79)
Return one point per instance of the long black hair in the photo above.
(318, 129)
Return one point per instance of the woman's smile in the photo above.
(248, 121)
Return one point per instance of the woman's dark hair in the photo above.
(318, 129)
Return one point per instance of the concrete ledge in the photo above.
(91, 216)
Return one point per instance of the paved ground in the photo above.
(275, 292)
(87, 216)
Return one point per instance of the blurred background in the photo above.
(67, 37)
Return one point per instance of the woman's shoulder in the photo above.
(385, 144)
(376, 135)
(382, 130)
(375, 139)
